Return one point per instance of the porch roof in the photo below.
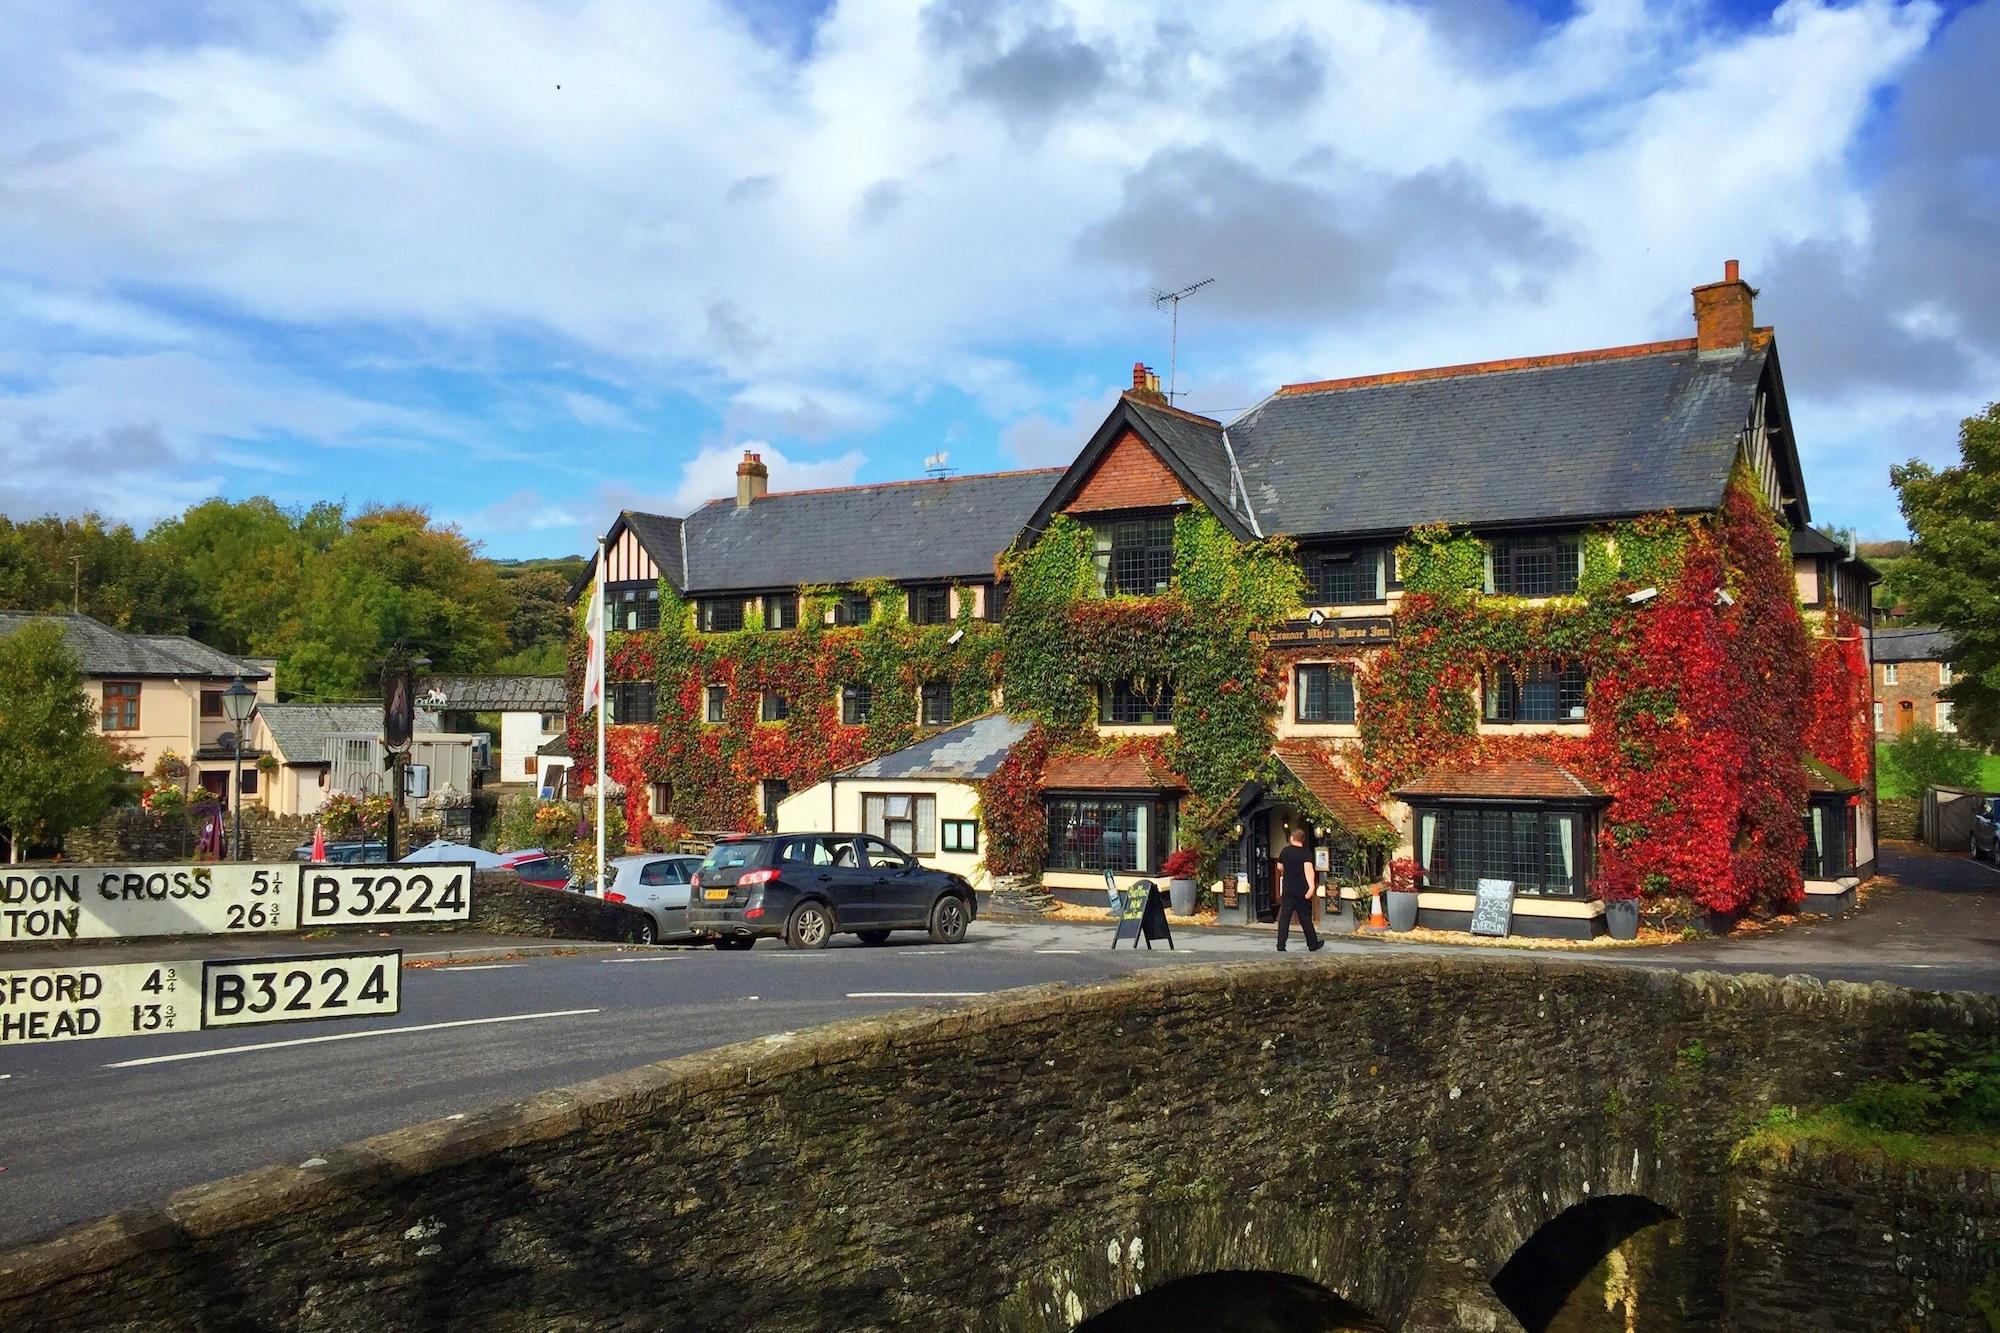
(1824, 779)
(1505, 779)
(1124, 770)
(1316, 772)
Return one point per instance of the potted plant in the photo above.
(1621, 909)
(1406, 878)
(1183, 894)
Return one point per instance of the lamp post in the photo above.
(239, 701)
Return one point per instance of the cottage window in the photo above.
(1539, 694)
(716, 703)
(1344, 577)
(930, 606)
(662, 794)
(781, 610)
(211, 704)
(1128, 702)
(1888, 673)
(935, 701)
(1097, 833)
(1135, 557)
(1325, 694)
(855, 703)
(854, 608)
(722, 615)
(1536, 566)
(1544, 851)
(908, 822)
(996, 600)
(772, 707)
(632, 701)
(632, 608)
(247, 784)
(121, 705)
(961, 835)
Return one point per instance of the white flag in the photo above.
(593, 668)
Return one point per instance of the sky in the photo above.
(529, 264)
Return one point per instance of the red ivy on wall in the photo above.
(1842, 731)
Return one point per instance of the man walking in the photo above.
(1298, 880)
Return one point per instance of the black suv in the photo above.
(808, 887)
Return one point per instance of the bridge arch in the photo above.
(1237, 1301)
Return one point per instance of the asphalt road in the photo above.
(91, 1127)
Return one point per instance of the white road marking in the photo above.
(348, 1036)
(650, 958)
(4, 1077)
(474, 967)
(1059, 951)
(913, 994)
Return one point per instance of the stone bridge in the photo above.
(1396, 1143)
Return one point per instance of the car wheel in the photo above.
(873, 936)
(948, 919)
(810, 927)
(646, 932)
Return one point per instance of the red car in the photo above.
(545, 870)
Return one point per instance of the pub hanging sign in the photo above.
(1335, 632)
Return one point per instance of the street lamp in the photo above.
(239, 701)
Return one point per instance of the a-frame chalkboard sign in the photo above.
(1141, 914)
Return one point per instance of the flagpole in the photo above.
(603, 696)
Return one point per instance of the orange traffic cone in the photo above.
(1376, 921)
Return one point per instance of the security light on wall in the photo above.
(1642, 595)
(956, 635)
(1317, 617)
(1722, 597)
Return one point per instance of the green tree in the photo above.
(238, 567)
(1925, 757)
(56, 770)
(540, 612)
(1951, 577)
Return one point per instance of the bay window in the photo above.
(1097, 833)
(1544, 850)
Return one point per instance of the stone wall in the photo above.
(503, 905)
(133, 837)
(1840, 1244)
(1393, 1128)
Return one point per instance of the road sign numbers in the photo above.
(287, 990)
(345, 895)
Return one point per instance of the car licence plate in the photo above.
(714, 895)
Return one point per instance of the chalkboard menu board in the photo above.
(1142, 914)
(1493, 911)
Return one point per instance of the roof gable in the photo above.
(1193, 449)
(1129, 475)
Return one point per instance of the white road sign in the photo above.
(150, 999)
(124, 902)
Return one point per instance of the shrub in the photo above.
(1180, 863)
(1925, 757)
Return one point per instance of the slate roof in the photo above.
(661, 536)
(1504, 779)
(1196, 441)
(908, 530)
(1912, 643)
(1811, 541)
(1125, 770)
(496, 694)
(1590, 435)
(1317, 773)
(108, 652)
(968, 752)
(300, 731)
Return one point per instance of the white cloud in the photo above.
(711, 473)
(1046, 441)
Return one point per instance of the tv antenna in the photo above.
(938, 466)
(1174, 346)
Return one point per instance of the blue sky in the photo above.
(531, 263)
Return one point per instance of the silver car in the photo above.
(657, 884)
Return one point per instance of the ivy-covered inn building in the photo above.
(1541, 620)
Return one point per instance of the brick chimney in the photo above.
(1145, 384)
(752, 479)
(1722, 314)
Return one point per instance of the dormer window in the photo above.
(1538, 565)
(1135, 557)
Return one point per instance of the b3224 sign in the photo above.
(152, 999)
(124, 902)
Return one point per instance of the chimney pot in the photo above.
(752, 478)
(1729, 271)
